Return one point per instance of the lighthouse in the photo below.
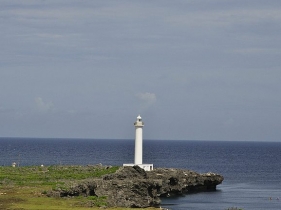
(138, 141)
(138, 147)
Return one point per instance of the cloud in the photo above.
(149, 98)
(43, 106)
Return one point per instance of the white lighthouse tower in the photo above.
(138, 141)
(138, 147)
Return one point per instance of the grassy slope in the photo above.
(24, 188)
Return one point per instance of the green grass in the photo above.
(50, 175)
(26, 187)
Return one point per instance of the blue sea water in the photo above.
(252, 170)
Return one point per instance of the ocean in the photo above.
(252, 170)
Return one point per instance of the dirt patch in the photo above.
(5, 202)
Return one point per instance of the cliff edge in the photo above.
(134, 187)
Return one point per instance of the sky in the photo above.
(193, 70)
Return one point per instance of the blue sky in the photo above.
(194, 70)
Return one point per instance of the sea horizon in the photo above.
(78, 138)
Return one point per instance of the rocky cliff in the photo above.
(134, 187)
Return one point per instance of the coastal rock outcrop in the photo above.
(134, 187)
(179, 181)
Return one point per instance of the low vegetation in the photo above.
(26, 187)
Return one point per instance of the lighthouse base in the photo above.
(146, 167)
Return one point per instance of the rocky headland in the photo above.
(134, 187)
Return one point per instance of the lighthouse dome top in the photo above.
(139, 122)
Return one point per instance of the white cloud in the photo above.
(147, 97)
(147, 100)
(43, 106)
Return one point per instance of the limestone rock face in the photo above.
(129, 187)
(179, 181)
(134, 187)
